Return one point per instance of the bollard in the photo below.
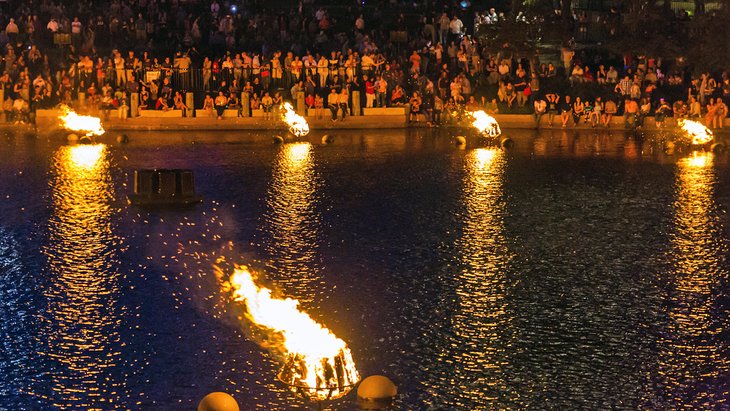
(82, 99)
(245, 105)
(190, 102)
(301, 107)
(356, 103)
(134, 104)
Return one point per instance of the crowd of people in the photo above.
(149, 54)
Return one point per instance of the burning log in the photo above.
(485, 124)
(696, 131)
(298, 125)
(317, 365)
(89, 125)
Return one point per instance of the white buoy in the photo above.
(72, 138)
(460, 140)
(218, 401)
(328, 139)
(718, 148)
(122, 139)
(278, 139)
(506, 143)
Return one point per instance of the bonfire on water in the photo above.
(696, 131)
(298, 125)
(486, 124)
(89, 125)
(317, 364)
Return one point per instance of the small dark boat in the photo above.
(164, 187)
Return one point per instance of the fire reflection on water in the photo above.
(691, 356)
(293, 222)
(80, 338)
(477, 348)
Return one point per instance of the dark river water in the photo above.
(579, 270)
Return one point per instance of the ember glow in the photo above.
(696, 131)
(91, 126)
(298, 125)
(317, 364)
(486, 124)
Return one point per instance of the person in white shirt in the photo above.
(492, 17)
(456, 27)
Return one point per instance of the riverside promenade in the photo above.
(377, 118)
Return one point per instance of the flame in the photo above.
(297, 124)
(318, 365)
(696, 131)
(485, 123)
(74, 122)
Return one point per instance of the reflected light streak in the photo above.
(80, 325)
(691, 359)
(477, 349)
(292, 222)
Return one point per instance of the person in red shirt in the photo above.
(369, 92)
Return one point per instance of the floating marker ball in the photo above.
(460, 140)
(72, 138)
(377, 387)
(85, 140)
(718, 148)
(278, 139)
(376, 392)
(507, 143)
(122, 139)
(218, 401)
(327, 139)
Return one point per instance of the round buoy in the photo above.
(376, 392)
(718, 148)
(506, 142)
(72, 138)
(85, 140)
(122, 139)
(328, 139)
(278, 139)
(218, 401)
(460, 140)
